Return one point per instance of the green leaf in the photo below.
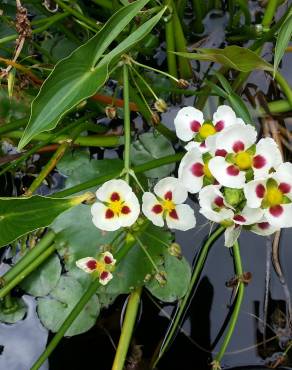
(53, 310)
(284, 36)
(152, 146)
(78, 167)
(44, 279)
(236, 57)
(15, 313)
(178, 275)
(83, 72)
(19, 216)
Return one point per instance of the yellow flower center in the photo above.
(206, 170)
(100, 266)
(168, 205)
(116, 206)
(243, 160)
(274, 196)
(207, 129)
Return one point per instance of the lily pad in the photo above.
(152, 146)
(54, 309)
(15, 313)
(44, 279)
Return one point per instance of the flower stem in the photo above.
(170, 46)
(284, 86)
(236, 310)
(7, 127)
(127, 121)
(127, 329)
(199, 264)
(269, 13)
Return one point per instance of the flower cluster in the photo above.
(241, 182)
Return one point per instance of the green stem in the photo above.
(28, 258)
(127, 329)
(137, 169)
(236, 310)
(7, 127)
(197, 10)
(284, 86)
(157, 71)
(127, 121)
(78, 15)
(170, 47)
(269, 13)
(107, 4)
(199, 264)
(277, 106)
(26, 271)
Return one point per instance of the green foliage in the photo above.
(14, 313)
(283, 38)
(236, 57)
(19, 216)
(151, 146)
(54, 309)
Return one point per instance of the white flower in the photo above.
(190, 124)
(193, 169)
(264, 228)
(167, 205)
(236, 156)
(118, 206)
(102, 266)
(273, 195)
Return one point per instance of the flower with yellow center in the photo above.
(243, 160)
(273, 196)
(207, 129)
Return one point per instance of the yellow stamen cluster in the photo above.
(243, 160)
(116, 206)
(207, 129)
(274, 196)
(168, 205)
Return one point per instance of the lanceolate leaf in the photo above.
(284, 36)
(235, 57)
(83, 72)
(19, 216)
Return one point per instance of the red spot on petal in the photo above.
(115, 197)
(221, 153)
(260, 190)
(195, 126)
(219, 201)
(259, 161)
(232, 170)
(91, 264)
(203, 145)
(284, 187)
(173, 214)
(238, 146)
(103, 275)
(157, 209)
(197, 169)
(108, 260)
(109, 213)
(219, 126)
(263, 225)
(168, 195)
(125, 210)
(239, 218)
(276, 211)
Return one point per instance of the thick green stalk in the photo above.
(93, 140)
(127, 120)
(7, 127)
(269, 13)
(199, 264)
(276, 106)
(198, 12)
(107, 4)
(236, 310)
(137, 169)
(28, 258)
(127, 329)
(284, 86)
(27, 270)
(170, 45)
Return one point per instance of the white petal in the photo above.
(231, 235)
(201, 146)
(254, 192)
(113, 186)
(220, 169)
(107, 279)
(130, 218)
(83, 264)
(217, 216)
(226, 115)
(283, 174)
(183, 121)
(280, 220)
(248, 216)
(107, 256)
(186, 218)
(173, 185)
(268, 149)
(149, 201)
(228, 138)
(208, 195)
(263, 228)
(210, 143)
(191, 182)
(98, 211)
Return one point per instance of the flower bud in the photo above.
(183, 84)
(111, 112)
(160, 105)
(161, 277)
(155, 119)
(175, 250)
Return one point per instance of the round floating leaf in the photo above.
(152, 146)
(54, 309)
(178, 275)
(16, 313)
(44, 278)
